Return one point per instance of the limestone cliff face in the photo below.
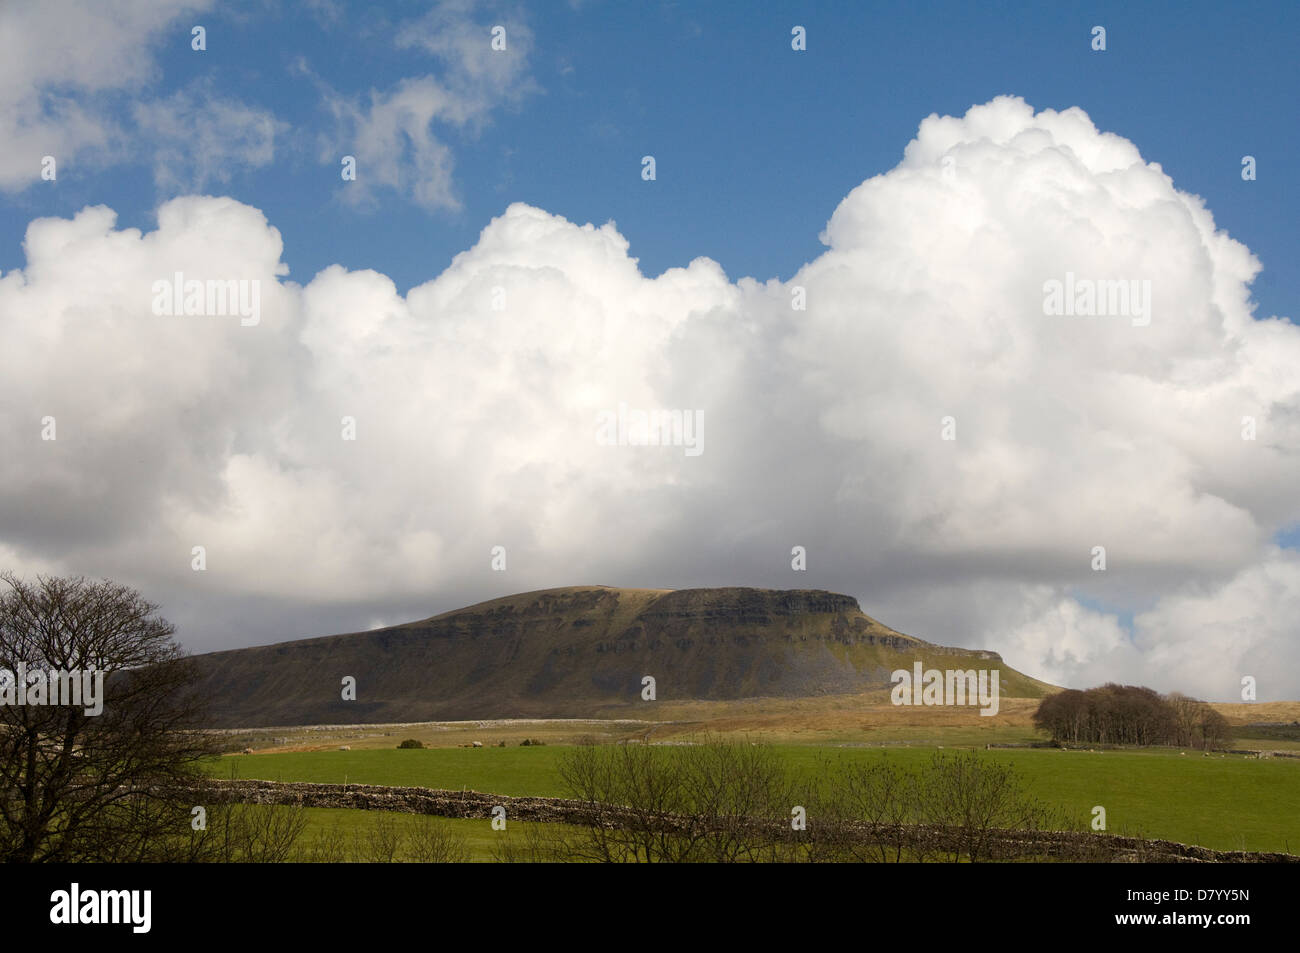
(746, 605)
(576, 652)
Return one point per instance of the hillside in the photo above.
(575, 652)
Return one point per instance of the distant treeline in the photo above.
(1131, 715)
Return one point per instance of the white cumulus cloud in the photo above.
(476, 396)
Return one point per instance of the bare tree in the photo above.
(76, 785)
(731, 802)
(1213, 729)
(880, 799)
(1186, 718)
(970, 798)
(245, 834)
(382, 842)
(637, 801)
(330, 846)
(432, 840)
(738, 798)
(538, 843)
(715, 801)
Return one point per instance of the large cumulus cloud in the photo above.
(476, 398)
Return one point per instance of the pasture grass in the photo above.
(1222, 802)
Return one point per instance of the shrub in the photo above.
(411, 743)
(431, 840)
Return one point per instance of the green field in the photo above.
(516, 772)
(483, 842)
(1226, 803)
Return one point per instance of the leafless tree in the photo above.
(872, 804)
(539, 843)
(731, 801)
(971, 797)
(245, 834)
(110, 787)
(431, 840)
(330, 846)
(382, 841)
(636, 797)
(738, 796)
(709, 800)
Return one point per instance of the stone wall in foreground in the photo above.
(403, 799)
(1074, 845)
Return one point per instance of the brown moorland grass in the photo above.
(868, 719)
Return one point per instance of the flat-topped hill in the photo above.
(568, 653)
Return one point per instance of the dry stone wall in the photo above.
(473, 804)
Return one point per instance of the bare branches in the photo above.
(729, 802)
(80, 785)
(1130, 715)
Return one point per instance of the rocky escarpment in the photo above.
(745, 606)
(677, 615)
(578, 652)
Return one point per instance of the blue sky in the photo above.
(755, 144)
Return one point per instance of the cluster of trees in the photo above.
(1131, 715)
